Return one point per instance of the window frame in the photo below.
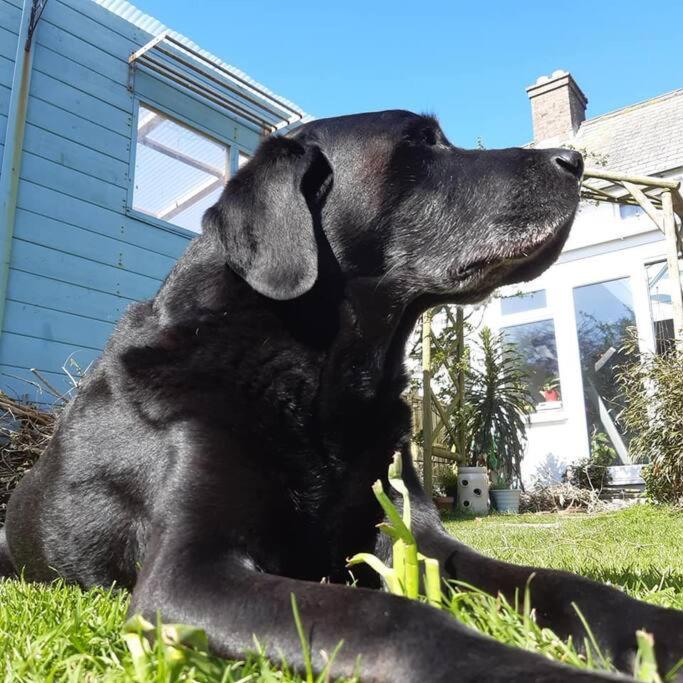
(551, 413)
(549, 407)
(234, 150)
(647, 263)
(528, 311)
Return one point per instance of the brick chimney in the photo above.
(557, 106)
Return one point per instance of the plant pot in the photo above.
(473, 490)
(506, 500)
(452, 491)
(444, 503)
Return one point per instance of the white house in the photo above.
(570, 323)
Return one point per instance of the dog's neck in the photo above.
(336, 351)
(349, 339)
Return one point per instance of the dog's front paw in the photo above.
(664, 625)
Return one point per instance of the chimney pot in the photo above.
(558, 106)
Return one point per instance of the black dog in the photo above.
(220, 456)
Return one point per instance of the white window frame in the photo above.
(234, 150)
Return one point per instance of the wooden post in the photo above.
(672, 265)
(461, 446)
(427, 436)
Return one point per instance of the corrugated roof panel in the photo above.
(154, 27)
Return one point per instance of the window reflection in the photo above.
(537, 346)
(661, 308)
(604, 312)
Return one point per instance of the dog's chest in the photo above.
(335, 516)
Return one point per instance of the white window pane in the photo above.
(179, 172)
(629, 210)
(520, 303)
(242, 159)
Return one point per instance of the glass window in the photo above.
(520, 303)
(179, 172)
(604, 312)
(659, 287)
(629, 210)
(242, 159)
(536, 343)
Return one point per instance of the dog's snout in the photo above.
(568, 161)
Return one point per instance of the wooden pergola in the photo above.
(659, 198)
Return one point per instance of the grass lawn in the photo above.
(59, 633)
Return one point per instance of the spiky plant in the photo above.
(500, 401)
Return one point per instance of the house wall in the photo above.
(80, 255)
(602, 247)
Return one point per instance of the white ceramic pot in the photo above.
(473, 490)
(506, 500)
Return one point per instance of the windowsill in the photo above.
(158, 223)
(548, 413)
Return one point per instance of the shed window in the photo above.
(179, 172)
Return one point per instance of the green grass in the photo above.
(60, 633)
(638, 549)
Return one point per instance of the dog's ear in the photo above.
(265, 218)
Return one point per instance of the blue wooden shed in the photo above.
(115, 134)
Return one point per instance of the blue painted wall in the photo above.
(79, 255)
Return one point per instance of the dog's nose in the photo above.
(568, 161)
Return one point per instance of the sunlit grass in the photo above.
(60, 633)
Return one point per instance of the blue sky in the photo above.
(468, 62)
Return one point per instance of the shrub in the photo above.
(500, 400)
(446, 479)
(653, 387)
(591, 473)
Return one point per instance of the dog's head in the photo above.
(397, 203)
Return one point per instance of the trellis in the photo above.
(661, 201)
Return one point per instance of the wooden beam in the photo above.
(147, 46)
(443, 416)
(193, 196)
(147, 124)
(645, 204)
(461, 445)
(427, 436)
(442, 452)
(673, 267)
(677, 201)
(648, 181)
(182, 157)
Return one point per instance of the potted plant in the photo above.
(446, 481)
(501, 400)
(551, 390)
(504, 497)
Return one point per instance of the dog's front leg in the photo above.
(612, 616)
(384, 637)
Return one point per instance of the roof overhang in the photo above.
(188, 69)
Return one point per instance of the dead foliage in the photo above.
(557, 497)
(24, 432)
